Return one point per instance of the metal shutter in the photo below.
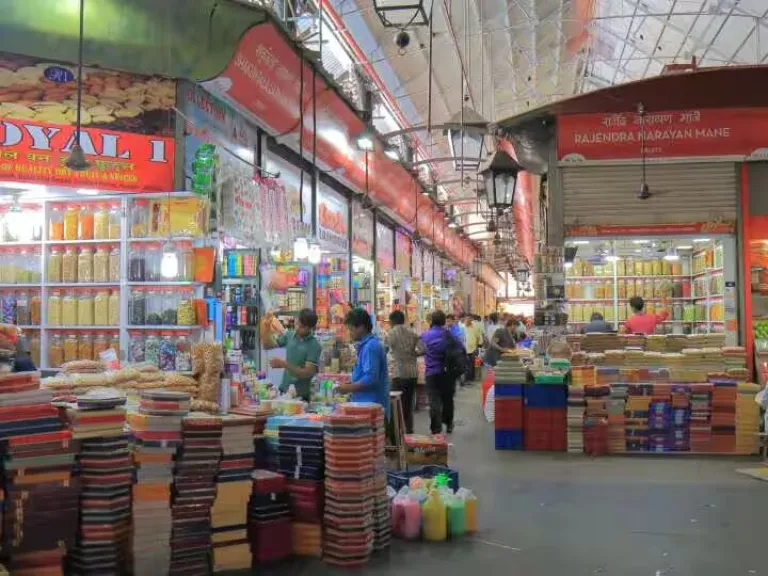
(680, 193)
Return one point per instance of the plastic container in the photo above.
(137, 264)
(470, 509)
(54, 265)
(406, 517)
(183, 353)
(114, 264)
(136, 347)
(55, 350)
(101, 307)
(35, 309)
(153, 257)
(137, 307)
(101, 264)
(71, 222)
(69, 263)
(456, 512)
(8, 315)
(100, 344)
(69, 304)
(186, 262)
(154, 307)
(152, 348)
(85, 315)
(85, 228)
(70, 348)
(114, 343)
(114, 222)
(139, 218)
(85, 347)
(56, 223)
(34, 347)
(434, 520)
(399, 479)
(185, 309)
(168, 352)
(170, 301)
(22, 307)
(85, 265)
(54, 308)
(101, 222)
(113, 316)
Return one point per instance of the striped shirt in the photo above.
(405, 346)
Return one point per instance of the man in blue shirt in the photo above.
(440, 387)
(370, 381)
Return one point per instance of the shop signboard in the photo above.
(362, 231)
(332, 229)
(385, 248)
(127, 126)
(583, 231)
(403, 249)
(718, 133)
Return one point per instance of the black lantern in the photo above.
(522, 275)
(500, 176)
(403, 13)
(466, 136)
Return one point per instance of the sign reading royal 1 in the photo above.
(332, 219)
(726, 133)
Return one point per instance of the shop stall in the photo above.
(333, 268)
(362, 257)
(386, 285)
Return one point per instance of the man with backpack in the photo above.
(445, 362)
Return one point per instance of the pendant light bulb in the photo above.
(76, 160)
(169, 265)
(314, 253)
(300, 249)
(275, 253)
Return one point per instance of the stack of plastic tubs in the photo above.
(576, 408)
(680, 432)
(596, 428)
(545, 414)
(701, 414)
(510, 376)
(636, 413)
(747, 419)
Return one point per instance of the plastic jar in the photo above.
(85, 229)
(54, 308)
(22, 307)
(55, 351)
(114, 222)
(168, 352)
(69, 305)
(9, 266)
(114, 264)
(136, 347)
(56, 223)
(35, 308)
(185, 310)
(101, 222)
(85, 308)
(152, 348)
(137, 307)
(8, 315)
(186, 262)
(70, 348)
(34, 347)
(153, 257)
(137, 264)
(101, 307)
(154, 308)
(85, 347)
(139, 218)
(100, 343)
(183, 353)
(71, 222)
(170, 302)
(101, 264)
(85, 265)
(54, 265)
(113, 317)
(114, 343)
(69, 265)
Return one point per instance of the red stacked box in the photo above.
(509, 413)
(724, 397)
(545, 429)
(269, 521)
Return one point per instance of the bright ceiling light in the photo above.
(392, 153)
(579, 242)
(701, 240)
(671, 257)
(365, 141)
(314, 253)
(169, 265)
(611, 258)
(686, 247)
(452, 224)
(300, 249)
(640, 241)
(567, 265)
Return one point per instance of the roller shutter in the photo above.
(680, 193)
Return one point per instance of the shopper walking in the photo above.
(370, 380)
(405, 346)
(441, 353)
(473, 340)
(502, 341)
(302, 351)
(493, 326)
(640, 322)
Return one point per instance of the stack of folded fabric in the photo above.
(229, 516)
(41, 496)
(349, 490)
(724, 396)
(701, 413)
(194, 490)
(375, 414)
(583, 376)
(576, 408)
(156, 432)
(615, 406)
(680, 430)
(636, 414)
(106, 475)
(659, 424)
(269, 518)
(747, 419)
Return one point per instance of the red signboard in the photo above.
(693, 133)
(651, 230)
(32, 151)
(264, 77)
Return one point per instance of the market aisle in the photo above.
(548, 514)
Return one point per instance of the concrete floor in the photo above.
(566, 515)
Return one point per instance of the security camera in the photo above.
(402, 40)
(644, 193)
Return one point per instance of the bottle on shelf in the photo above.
(85, 224)
(101, 222)
(56, 223)
(71, 222)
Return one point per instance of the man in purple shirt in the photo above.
(440, 387)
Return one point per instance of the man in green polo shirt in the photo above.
(302, 351)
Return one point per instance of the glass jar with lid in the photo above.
(35, 308)
(170, 302)
(54, 308)
(152, 348)
(154, 307)
(85, 224)
(153, 256)
(22, 308)
(186, 262)
(183, 353)
(56, 223)
(54, 264)
(101, 307)
(33, 340)
(137, 307)
(114, 308)
(185, 309)
(114, 264)
(69, 265)
(8, 308)
(101, 264)
(136, 347)
(100, 343)
(101, 222)
(114, 222)
(9, 266)
(137, 264)
(71, 222)
(85, 316)
(69, 305)
(23, 272)
(168, 352)
(70, 348)
(85, 347)
(85, 265)
(139, 218)
(55, 351)
(114, 343)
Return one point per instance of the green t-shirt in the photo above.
(299, 351)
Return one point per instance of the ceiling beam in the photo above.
(719, 30)
(661, 35)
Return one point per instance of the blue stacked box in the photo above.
(509, 439)
(549, 396)
(508, 390)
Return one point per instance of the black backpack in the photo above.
(455, 357)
